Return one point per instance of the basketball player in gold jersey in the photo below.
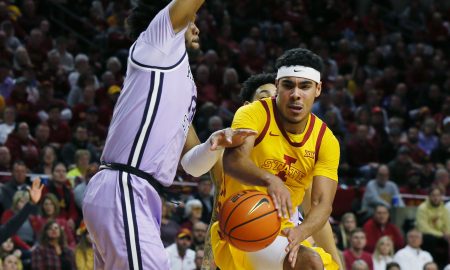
(292, 149)
(257, 87)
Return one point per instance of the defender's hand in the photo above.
(228, 138)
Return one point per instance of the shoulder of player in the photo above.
(257, 106)
(319, 124)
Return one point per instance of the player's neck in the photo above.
(295, 128)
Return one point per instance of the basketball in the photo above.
(249, 221)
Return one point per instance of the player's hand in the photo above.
(227, 138)
(281, 197)
(295, 237)
(36, 190)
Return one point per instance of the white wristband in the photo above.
(200, 159)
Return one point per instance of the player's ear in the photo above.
(319, 89)
(246, 102)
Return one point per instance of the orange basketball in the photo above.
(249, 221)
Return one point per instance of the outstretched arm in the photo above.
(182, 12)
(10, 227)
(202, 157)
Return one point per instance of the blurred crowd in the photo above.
(386, 87)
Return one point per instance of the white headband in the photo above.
(299, 71)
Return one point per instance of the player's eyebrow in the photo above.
(302, 84)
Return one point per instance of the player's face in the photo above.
(294, 101)
(265, 91)
(191, 36)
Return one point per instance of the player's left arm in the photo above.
(324, 237)
(323, 191)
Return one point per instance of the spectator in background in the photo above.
(9, 123)
(192, 213)
(379, 226)
(81, 67)
(80, 108)
(80, 189)
(60, 132)
(79, 141)
(48, 160)
(96, 130)
(431, 266)
(65, 57)
(346, 226)
(84, 254)
(414, 185)
(60, 187)
(6, 81)
(215, 123)
(401, 165)
(7, 191)
(180, 255)
(199, 255)
(381, 191)
(393, 266)
(42, 135)
(442, 180)
(25, 235)
(169, 228)
(324, 105)
(5, 164)
(76, 174)
(416, 153)
(433, 220)
(23, 100)
(8, 229)
(362, 161)
(52, 251)
(11, 262)
(359, 265)
(21, 61)
(356, 249)
(428, 141)
(198, 235)
(50, 210)
(204, 195)
(412, 257)
(22, 146)
(442, 153)
(383, 253)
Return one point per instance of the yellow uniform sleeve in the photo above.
(252, 116)
(328, 161)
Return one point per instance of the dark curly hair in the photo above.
(302, 57)
(253, 82)
(142, 15)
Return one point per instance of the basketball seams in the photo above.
(249, 221)
(232, 211)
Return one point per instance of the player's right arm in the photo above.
(238, 164)
(237, 161)
(182, 12)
